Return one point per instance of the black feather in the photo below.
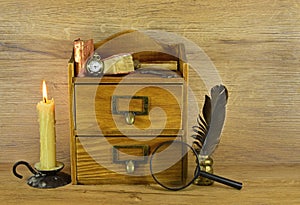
(197, 128)
(198, 146)
(208, 130)
(201, 123)
(206, 111)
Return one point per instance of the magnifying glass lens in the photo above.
(173, 165)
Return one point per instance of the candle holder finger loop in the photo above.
(22, 163)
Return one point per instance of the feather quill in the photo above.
(208, 131)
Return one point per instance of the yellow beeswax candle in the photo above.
(46, 112)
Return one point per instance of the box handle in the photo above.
(130, 163)
(129, 114)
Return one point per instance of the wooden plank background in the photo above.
(255, 46)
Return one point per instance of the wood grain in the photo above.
(100, 106)
(274, 184)
(253, 44)
(94, 113)
(95, 164)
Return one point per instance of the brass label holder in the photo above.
(129, 114)
(130, 163)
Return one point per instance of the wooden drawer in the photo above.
(101, 108)
(103, 160)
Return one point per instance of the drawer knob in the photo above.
(129, 118)
(130, 167)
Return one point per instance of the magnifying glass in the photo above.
(175, 165)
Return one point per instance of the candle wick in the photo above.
(45, 100)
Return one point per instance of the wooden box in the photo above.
(104, 147)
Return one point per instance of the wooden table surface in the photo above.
(273, 184)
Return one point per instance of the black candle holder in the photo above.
(44, 179)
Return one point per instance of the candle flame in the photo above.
(44, 91)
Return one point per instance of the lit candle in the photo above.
(46, 112)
